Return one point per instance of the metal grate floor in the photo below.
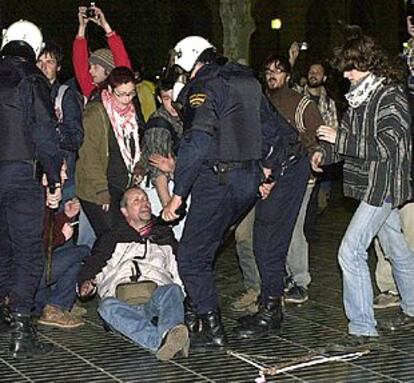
(90, 354)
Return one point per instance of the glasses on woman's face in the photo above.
(125, 94)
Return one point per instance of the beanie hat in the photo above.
(104, 58)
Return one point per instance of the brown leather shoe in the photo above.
(56, 317)
(175, 340)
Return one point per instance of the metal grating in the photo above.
(91, 355)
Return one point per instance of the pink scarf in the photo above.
(125, 127)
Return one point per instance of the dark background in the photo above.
(151, 27)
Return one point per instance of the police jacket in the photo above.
(227, 118)
(27, 119)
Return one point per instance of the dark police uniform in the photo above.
(28, 137)
(228, 129)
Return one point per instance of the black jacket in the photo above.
(27, 119)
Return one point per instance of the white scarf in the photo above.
(125, 127)
(360, 92)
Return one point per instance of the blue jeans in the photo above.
(137, 322)
(86, 234)
(367, 222)
(66, 263)
(297, 261)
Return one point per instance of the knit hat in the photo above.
(104, 58)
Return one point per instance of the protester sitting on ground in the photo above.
(134, 271)
(56, 293)
(110, 150)
(92, 70)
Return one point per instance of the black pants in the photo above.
(101, 220)
(273, 227)
(214, 207)
(22, 207)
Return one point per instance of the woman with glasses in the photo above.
(110, 151)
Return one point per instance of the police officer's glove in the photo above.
(104, 198)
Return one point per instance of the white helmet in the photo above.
(26, 31)
(188, 50)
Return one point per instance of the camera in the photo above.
(303, 46)
(90, 11)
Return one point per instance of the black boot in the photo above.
(191, 318)
(24, 342)
(269, 317)
(212, 332)
(5, 318)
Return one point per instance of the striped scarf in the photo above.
(125, 127)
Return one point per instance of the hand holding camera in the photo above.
(94, 14)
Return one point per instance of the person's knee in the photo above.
(106, 306)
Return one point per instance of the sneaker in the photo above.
(400, 322)
(387, 299)
(354, 343)
(249, 298)
(296, 294)
(288, 282)
(174, 341)
(56, 317)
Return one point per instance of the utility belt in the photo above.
(221, 168)
(37, 168)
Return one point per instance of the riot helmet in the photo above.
(183, 58)
(22, 38)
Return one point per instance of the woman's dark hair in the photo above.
(120, 75)
(362, 53)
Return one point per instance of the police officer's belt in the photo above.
(222, 167)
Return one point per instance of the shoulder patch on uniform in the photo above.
(197, 99)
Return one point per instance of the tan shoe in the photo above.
(56, 317)
(78, 311)
(174, 341)
(246, 301)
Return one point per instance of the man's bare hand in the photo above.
(67, 231)
(265, 189)
(53, 199)
(316, 162)
(100, 20)
(88, 288)
(165, 164)
(72, 208)
(326, 133)
(169, 212)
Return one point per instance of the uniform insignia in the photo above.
(197, 99)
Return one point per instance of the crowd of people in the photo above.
(104, 193)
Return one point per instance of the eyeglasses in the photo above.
(124, 94)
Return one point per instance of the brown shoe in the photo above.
(78, 311)
(246, 302)
(174, 341)
(56, 317)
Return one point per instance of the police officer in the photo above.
(28, 142)
(226, 134)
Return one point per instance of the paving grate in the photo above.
(92, 355)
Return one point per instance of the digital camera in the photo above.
(90, 11)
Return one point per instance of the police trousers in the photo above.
(22, 206)
(214, 207)
(273, 227)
